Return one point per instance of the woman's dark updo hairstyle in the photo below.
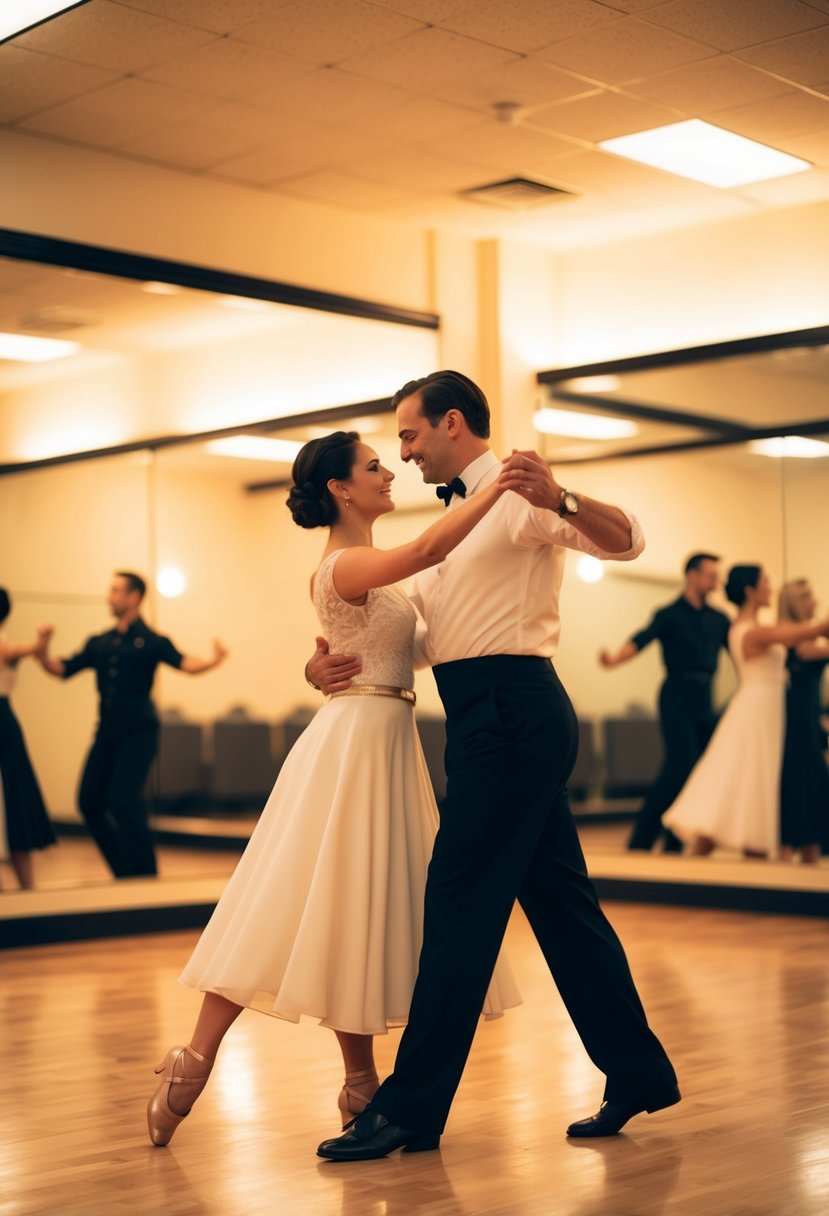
(740, 578)
(5, 604)
(311, 503)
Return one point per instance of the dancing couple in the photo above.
(351, 821)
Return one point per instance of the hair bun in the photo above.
(319, 462)
(308, 507)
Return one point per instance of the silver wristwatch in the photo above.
(568, 504)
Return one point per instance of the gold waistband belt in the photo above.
(377, 690)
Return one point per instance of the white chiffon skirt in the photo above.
(323, 915)
(733, 794)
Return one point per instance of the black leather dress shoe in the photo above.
(371, 1136)
(611, 1117)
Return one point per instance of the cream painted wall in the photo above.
(60, 191)
(762, 274)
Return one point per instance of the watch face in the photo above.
(571, 503)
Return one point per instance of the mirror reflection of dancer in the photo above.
(732, 797)
(691, 634)
(804, 787)
(124, 660)
(506, 829)
(27, 822)
(323, 914)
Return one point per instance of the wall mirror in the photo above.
(722, 448)
(199, 361)
(100, 471)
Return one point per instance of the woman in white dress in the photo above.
(732, 797)
(323, 915)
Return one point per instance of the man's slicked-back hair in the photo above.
(134, 581)
(447, 390)
(696, 559)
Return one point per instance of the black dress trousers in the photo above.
(687, 718)
(507, 833)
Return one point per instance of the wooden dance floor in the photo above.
(740, 1000)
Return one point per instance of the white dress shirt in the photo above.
(497, 591)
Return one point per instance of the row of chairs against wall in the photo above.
(231, 764)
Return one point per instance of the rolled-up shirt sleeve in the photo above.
(533, 527)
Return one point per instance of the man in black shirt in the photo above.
(691, 635)
(124, 660)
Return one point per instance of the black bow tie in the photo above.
(455, 486)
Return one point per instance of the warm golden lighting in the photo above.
(171, 582)
(589, 569)
(797, 446)
(23, 348)
(582, 426)
(705, 153)
(255, 447)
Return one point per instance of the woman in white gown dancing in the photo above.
(323, 914)
(732, 797)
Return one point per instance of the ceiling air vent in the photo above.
(55, 319)
(516, 194)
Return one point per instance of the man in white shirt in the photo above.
(506, 832)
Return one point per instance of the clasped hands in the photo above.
(528, 474)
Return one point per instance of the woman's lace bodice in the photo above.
(381, 631)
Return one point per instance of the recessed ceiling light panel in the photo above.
(19, 15)
(21, 348)
(705, 153)
(582, 426)
(255, 447)
(798, 446)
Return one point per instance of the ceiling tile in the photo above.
(293, 147)
(423, 118)
(793, 191)
(526, 82)
(803, 59)
(420, 171)
(526, 25)
(116, 113)
(813, 147)
(775, 120)
(34, 82)
(711, 84)
(427, 60)
(229, 69)
(602, 116)
(328, 31)
(732, 24)
(264, 168)
(334, 98)
(431, 11)
(603, 173)
(219, 16)
(343, 190)
(626, 50)
(509, 149)
(113, 37)
(219, 133)
(633, 6)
